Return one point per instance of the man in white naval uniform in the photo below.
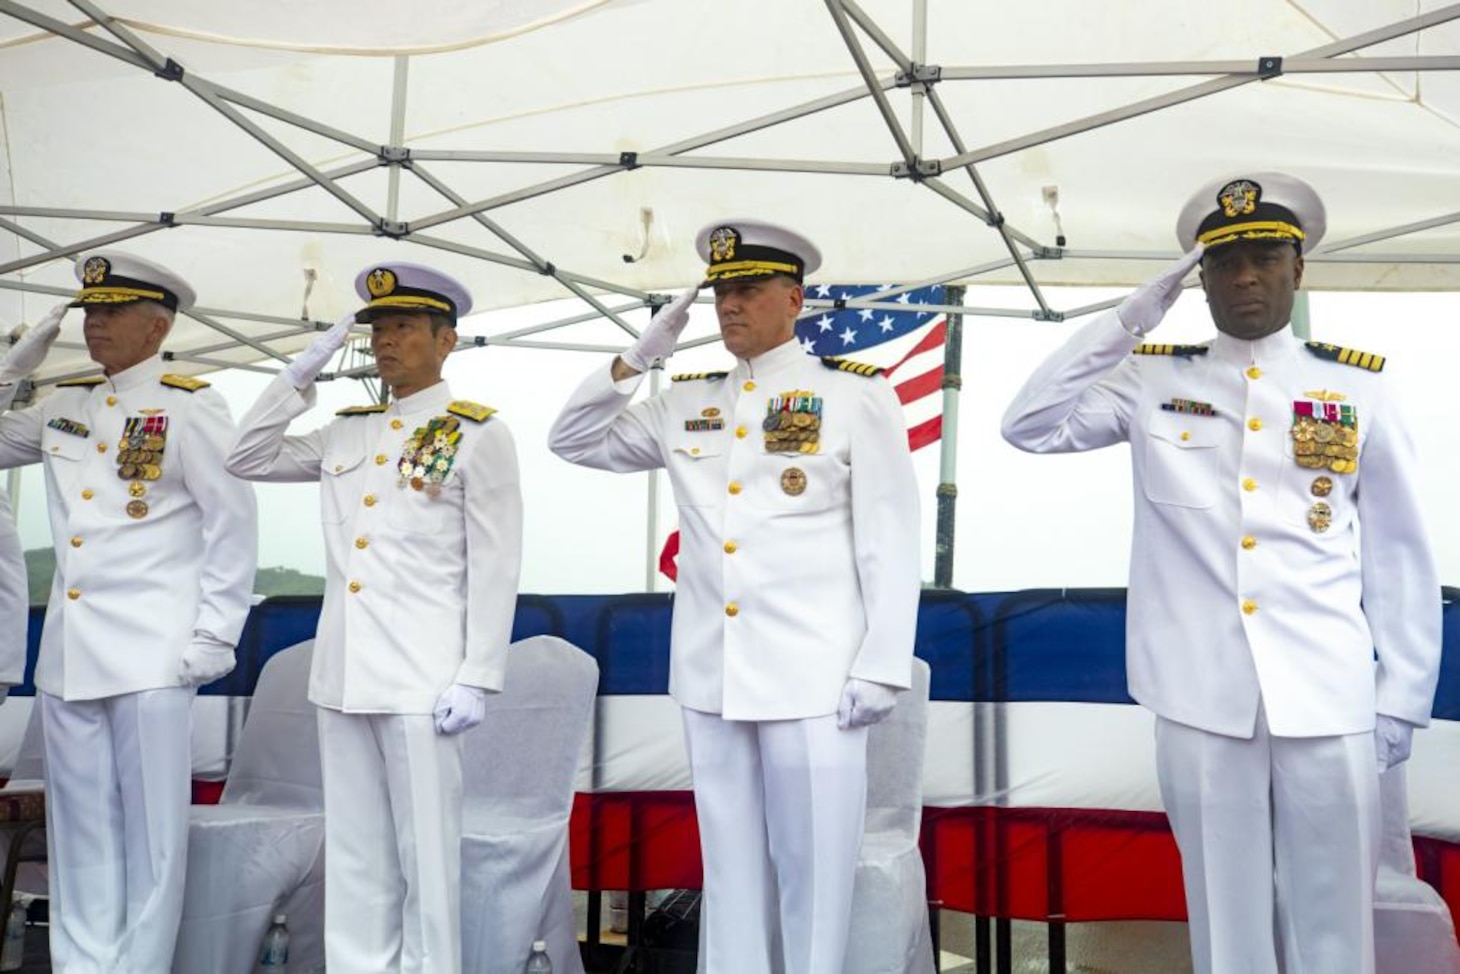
(797, 594)
(1255, 613)
(422, 519)
(155, 555)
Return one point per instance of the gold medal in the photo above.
(417, 483)
(1320, 517)
(793, 481)
(137, 509)
(1325, 434)
(1322, 487)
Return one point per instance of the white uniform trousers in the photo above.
(392, 801)
(781, 806)
(118, 789)
(1279, 840)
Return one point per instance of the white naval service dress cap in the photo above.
(409, 287)
(1262, 206)
(746, 250)
(112, 277)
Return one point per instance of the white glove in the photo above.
(30, 351)
(206, 659)
(657, 341)
(460, 707)
(1393, 738)
(308, 363)
(864, 703)
(1147, 305)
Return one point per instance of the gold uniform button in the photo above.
(732, 610)
(380, 459)
(55, 449)
(111, 400)
(1253, 372)
(354, 586)
(1185, 435)
(75, 542)
(1254, 424)
(396, 424)
(1248, 543)
(694, 451)
(1249, 484)
(362, 543)
(749, 387)
(735, 487)
(101, 448)
(73, 594)
(369, 500)
(87, 494)
(740, 432)
(1249, 607)
(731, 547)
(339, 467)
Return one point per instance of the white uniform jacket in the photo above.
(420, 585)
(14, 599)
(1238, 591)
(141, 564)
(796, 570)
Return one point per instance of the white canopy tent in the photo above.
(532, 147)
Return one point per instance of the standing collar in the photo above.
(1272, 348)
(433, 398)
(785, 355)
(145, 372)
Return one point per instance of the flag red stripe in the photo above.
(935, 337)
(920, 385)
(928, 431)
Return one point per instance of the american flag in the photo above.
(917, 376)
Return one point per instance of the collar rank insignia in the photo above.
(847, 365)
(1347, 356)
(1325, 435)
(1189, 406)
(379, 407)
(86, 383)
(427, 457)
(473, 411)
(693, 376)
(793, 422)
(1182, 351)
(69, 426)
(185, 382)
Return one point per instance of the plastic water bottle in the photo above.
(12, 954)
(538, 962)
(274, 955)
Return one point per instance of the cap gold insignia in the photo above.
(722, 244)
(95, 270)
(793, 481)
(380, 282)
(1239, 198)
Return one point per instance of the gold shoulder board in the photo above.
(88, 382)
(847, 365)
(1185, 351)
(362, 410)
(1347, 356)
(184, 382)
(692, 376)
(473, 411)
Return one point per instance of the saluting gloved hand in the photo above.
(308, 363)
(30, 351)
(1147, 305)
(864, 703)
(206, 659)
(1393, 738)
(657, 341)
(460, 707)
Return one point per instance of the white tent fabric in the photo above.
(529, 147)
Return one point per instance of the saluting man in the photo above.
(1256, 611)
(155, 555)
(797, 594)
(422, 516)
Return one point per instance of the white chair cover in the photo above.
(890, 933)
(1413, 932)
(518, 771)
(261, 849)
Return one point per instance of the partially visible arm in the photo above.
(597, 428)
(262, 451)
(492, 506)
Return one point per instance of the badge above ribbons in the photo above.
(793, 423)
(1325, 435)
(427, 457)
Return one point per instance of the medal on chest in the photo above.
(139, 458)
(427, 457)
(1325, 434)
(793, 423)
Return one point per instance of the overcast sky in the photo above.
(1022, 521)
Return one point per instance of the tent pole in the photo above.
(919, 56)
(397, 134)
(948, 444)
